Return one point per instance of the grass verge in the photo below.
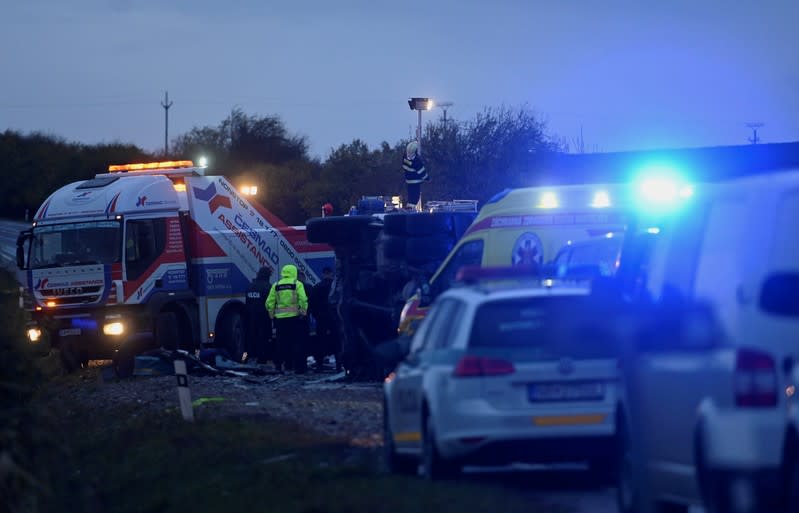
(64, 456)
(137, 460)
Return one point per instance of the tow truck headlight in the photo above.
(34, 334)
(113, 328)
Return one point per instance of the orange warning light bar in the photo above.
(146, 166)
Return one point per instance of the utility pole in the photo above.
(754, 126)
(234, 117)
(166, 104)
(444, 106)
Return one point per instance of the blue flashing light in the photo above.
(661, 187)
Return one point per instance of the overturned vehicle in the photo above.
(383, 255)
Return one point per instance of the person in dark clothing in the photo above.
(302, 346)
(259, 324)
(326, 342)
(415, 174)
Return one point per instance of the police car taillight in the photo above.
(755, 379)
(478, 366)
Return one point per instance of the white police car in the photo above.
(503, 375)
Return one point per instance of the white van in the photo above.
(712, 413)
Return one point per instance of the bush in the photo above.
(22, 438)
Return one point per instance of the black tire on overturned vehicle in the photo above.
(419, 223)
(336, 231)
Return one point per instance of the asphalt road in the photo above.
(561, 487)
(9, 230)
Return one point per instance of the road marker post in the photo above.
(184, 394)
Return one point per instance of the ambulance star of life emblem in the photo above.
(566, 366)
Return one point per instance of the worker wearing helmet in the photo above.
(415, 173)
(287, 304)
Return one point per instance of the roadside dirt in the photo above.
(350, 411)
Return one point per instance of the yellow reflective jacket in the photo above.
(287, 296)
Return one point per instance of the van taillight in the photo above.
(755, 379)
(475, 366)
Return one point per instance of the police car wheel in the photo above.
(434, 466)
(395, 463)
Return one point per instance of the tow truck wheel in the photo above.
(231, 335)
(166, 331)
(69, 358)
(124, 361)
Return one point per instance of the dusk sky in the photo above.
(635, 74)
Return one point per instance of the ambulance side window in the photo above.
(470, 253)
(144, 242)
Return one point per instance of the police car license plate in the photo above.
(583, 391)
(69, 332)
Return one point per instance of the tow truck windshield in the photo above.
(94, 242)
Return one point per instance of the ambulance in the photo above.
(152, 255)
(554, 230)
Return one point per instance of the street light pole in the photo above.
(419, 134)
(419, 104)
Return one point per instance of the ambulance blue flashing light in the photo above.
(661, 188)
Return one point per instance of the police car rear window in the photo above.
(549, 326)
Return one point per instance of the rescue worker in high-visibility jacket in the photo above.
(415, 173)
(287, 304)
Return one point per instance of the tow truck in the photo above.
(151, 255)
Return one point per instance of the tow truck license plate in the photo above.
(538, 392)
(68, 332)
